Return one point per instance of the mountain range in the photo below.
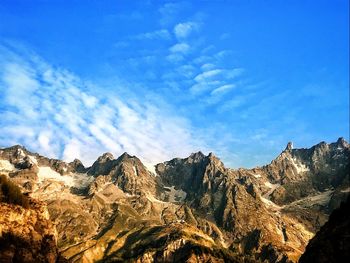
(187, 210)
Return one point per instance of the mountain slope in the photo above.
(332, 242)
(194, 209)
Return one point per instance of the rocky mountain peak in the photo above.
(105, 157)
(77, 166)
(342, 143)
(289, 146)
(125, 156)
(267, 213)
(197, 156)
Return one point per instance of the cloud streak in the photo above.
(55, 113)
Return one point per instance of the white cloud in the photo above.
(180, 48)
(158, 34)
(207, 74)
(223, 89)
(207, 66)
(233, 73)
(169, 12)
(174, 58)
(183, 30)
(186, 70)
(201, 87)
(53, 112)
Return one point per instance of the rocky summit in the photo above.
(189, 210)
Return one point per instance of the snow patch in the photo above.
(20, 153)
(5, 165)
(269, 203)
(257, 175)
(300, 167)
(346, 190)
(32, 159)
(46, 173)
(319, 199)
(151, 168)
(135, 172)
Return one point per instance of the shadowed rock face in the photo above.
(332, 242)
(195, 209)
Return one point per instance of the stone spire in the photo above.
(289, 146)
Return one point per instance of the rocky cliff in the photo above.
(332, 242)
(26, 233)
(192, 210)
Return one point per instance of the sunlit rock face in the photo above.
(192, 210)
(27, 234)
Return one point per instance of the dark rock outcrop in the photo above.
(332, 242)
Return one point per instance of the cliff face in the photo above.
(332, 242)
(27, 234)
(193, 210)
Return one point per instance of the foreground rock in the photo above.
(27, 234)
(332, 242)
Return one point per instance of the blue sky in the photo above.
(160, 79)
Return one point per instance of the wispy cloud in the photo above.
(169, 11)
(180, 48)
(157, 34)
(54, 112)
(223, 89)
(183, 30)
(215, 80)
(207, 75)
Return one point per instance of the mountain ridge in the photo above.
(264, 213)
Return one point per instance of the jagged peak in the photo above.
(197, 156)
(16, 147)
(341, 142)
(125, 156)
(106, 156)
(289, 146)
(76, 161)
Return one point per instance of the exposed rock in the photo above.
(332, 242)
(27, 234)
(194, 210)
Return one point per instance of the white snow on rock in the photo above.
(46, 173)
(33, 159)
(20, 153)
(135, 172)
(346, 190)
(257, 175)
(5, 165)
(322, 198)
(151, 168)
(300, 167)
(270, 204)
